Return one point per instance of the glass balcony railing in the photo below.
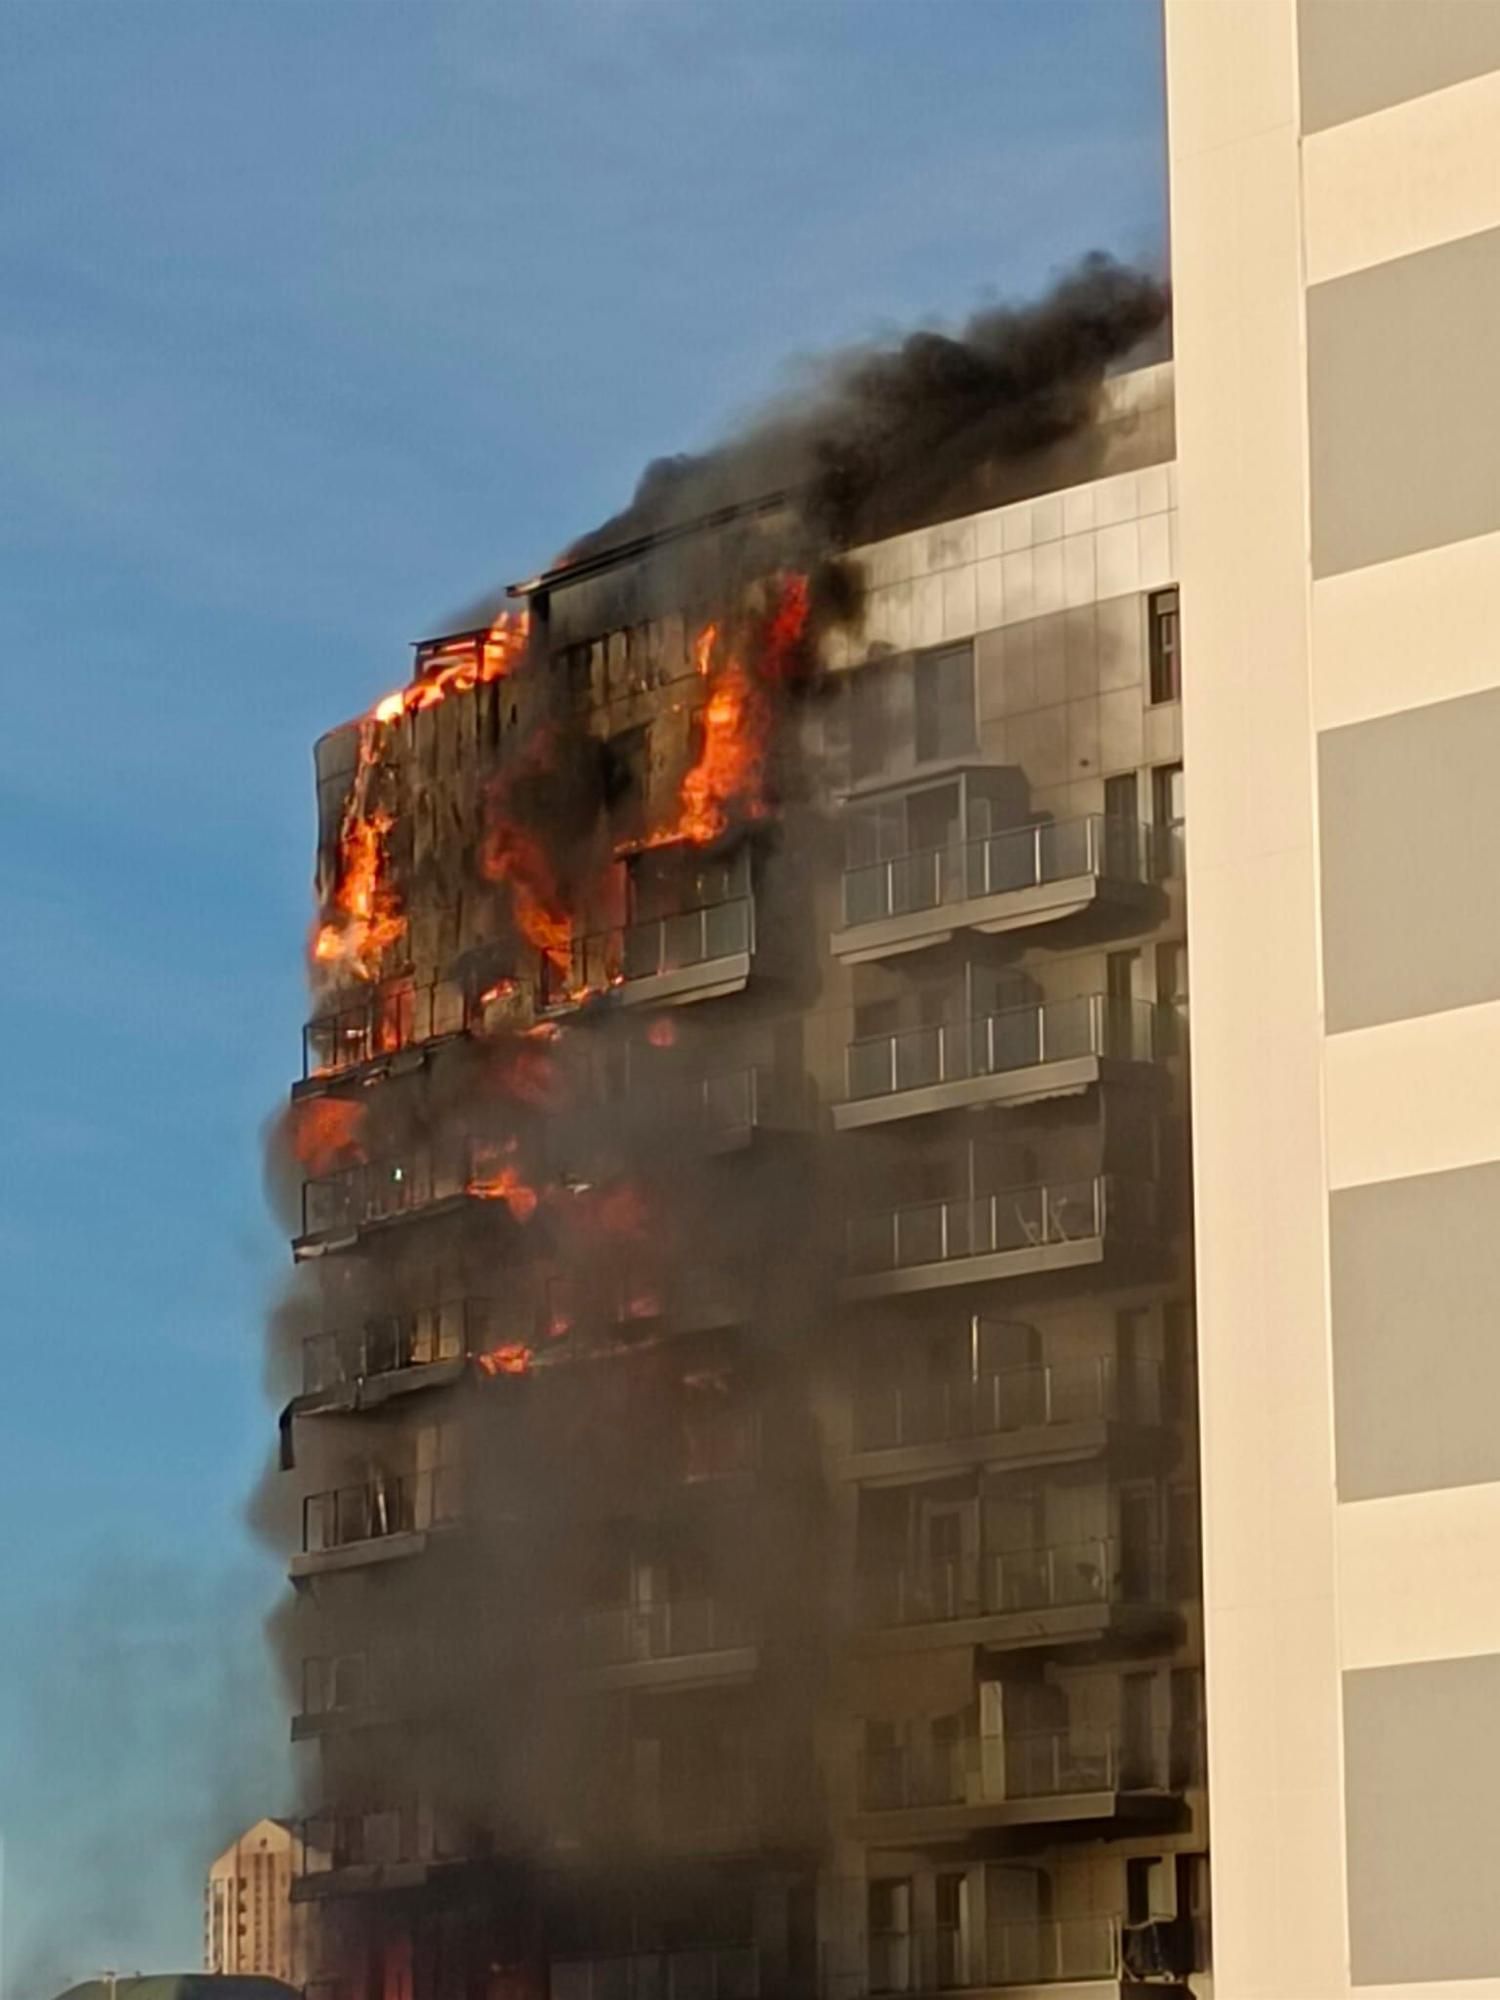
(1018, 1038)
(375, 1191)
(398, 1015)
(677, 1628)
(709, 1972)
(1039, 1951)
(378, 1837)
(1015, 859)
(344, 1516)
(981, 1225)
(1032, 1764)
(992, 1584)
(650, 948)
(936, 1411)
(395, 1341)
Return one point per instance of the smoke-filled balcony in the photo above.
(689, 934)
(710, 1972)
(943, 1787)
(1011, 1232)
(1015, 1597)
(395, 1017)
(928, 863)
(911, 1420)
(1018, 1055)
(379, 1520)
(379, 1848)
(675, 1642)
(386, 1355)
(337, 1207)
(1087, 1953)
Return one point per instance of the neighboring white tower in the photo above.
(250, 1922)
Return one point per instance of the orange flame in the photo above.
(460, 665)
(363, 917)
(727, 780)
(325, 1133)
(513, 856)
(495, 1178)
(514, 1358)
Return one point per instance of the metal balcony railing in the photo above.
(337, 1684)
(1036, 1952)
(345, 1515)
(1017, 1038)
(1017, 858)
(707, 1972)
(676, 1628)
(888, 1415)
(395, 1341)
(398, 1015)
(1098, 1571)
(1030, 1764)
(1018, 1218)
(380, 1837)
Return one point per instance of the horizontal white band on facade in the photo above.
(1401, 634)
(1417, 1578)
(1401, 180)
(1413, 1097)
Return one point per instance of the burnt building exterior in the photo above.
(744, 1427)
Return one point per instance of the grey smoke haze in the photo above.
(146, 1737)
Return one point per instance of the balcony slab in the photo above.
(1032, 1261)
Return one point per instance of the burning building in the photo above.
(744, 1424)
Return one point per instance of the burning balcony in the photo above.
(690, 934)
(1038, 1411)
(709, 1972)
(1012, 1232)
(676, 1641)
(945, 1787)
(393, 1351)
(1016, 1597)
(383, 1519)
(1084, 1953)
(398, 1016)
(928, 863)
(337, 1207)
(1019, 1055)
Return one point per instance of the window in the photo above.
(944, 699)
(1172, 974)
(1121, 798)
(875, 700)
(1167, 800)
(1166, 645)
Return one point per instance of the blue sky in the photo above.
(318, 318)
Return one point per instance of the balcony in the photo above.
(381, 1848)
(1011, 880)
(1084, 1952)
(356, 1367)
(708, 1972)
(1019, 1597)
(384, 1519)
(1012, 1233)
(692, 1641)
(1056, 1048)
(1049, 1411)
(691, 954)
(726, 1109)
(1036, 1777)
(338, 1207)
(380, 1026)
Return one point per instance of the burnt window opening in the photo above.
(1164, 622)
(627, 783)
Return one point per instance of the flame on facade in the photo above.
(326, 1133)
(513, 1358)
(497, 1178)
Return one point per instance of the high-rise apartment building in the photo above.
(747, 1434)
(249, 1923)
(1335, 185)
